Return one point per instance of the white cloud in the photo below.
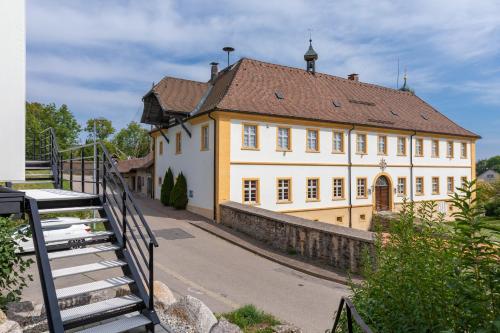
(101, 56)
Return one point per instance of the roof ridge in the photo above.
(330, 76)
(180, 79)
(236, 66)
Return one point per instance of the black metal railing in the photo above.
(44, 147)
(38, 146)
(351, 314)
(54, 320)
(89, 168)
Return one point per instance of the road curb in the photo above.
(273, 256)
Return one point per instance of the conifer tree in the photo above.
(178, 196)
(166, 187)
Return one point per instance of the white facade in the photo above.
(12, 89)
(266, 163)
(196, 164)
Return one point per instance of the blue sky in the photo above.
(100, 57)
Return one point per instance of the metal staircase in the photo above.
(86, 183)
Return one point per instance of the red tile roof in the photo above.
(125, 166)
(179, 95)
(251, 86)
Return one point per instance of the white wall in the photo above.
(196, 165)
(245, 164)
(12, 89)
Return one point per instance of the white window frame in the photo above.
(338, 142)
(361, 188)
(338, 187)
(250, 190)
(250, 138)
(284, 192)
(401, 187)
(312, 187)
(382, 145)
(282, 139)
(312, 143)
(361, 143)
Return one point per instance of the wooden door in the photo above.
(382, 194)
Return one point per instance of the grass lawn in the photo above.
(493, 222)
(493, 227)
(251, 320)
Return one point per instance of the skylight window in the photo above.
(393, 113)
(336, 103)
(378, 121)
(424, 116)
(279, 94)
(355, 101)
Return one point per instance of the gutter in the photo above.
(411, 165)
(215, 164)
(349, 175)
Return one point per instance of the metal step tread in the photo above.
(37, 161)
(86, 236)
(120, 325)
(68, 209)
(84, 251)
(34, 181)
(94, 267)
(99, 307)
(35, 175)
(37, 168)
(61, 222)
(93, 286)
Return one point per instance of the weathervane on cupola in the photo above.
(405, 86)
(311, 56)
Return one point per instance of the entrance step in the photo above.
(84, 251)
(68, 209)
(122, 325)
(93, 286)
(90, 236)
(65, 222)
(98, 308)
(94, 267)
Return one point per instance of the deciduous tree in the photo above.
(132, 141)
(42, 116)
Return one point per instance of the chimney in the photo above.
(353, 77)
(213, 71)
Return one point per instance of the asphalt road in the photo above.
(224, 276)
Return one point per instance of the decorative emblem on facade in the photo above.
(382, 164)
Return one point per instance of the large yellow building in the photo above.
(304, 143)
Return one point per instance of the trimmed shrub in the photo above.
(492, 208)
(178, 197)
(166, 187)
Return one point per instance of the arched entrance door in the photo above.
(382, 194)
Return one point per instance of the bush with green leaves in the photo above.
(166, 187)
(251, 319)
(492, 208)
(13, 278)
(178, 197)
(435, 277)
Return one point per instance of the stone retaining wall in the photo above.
(338, 246)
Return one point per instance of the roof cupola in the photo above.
(405, 86)
(310, 57)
